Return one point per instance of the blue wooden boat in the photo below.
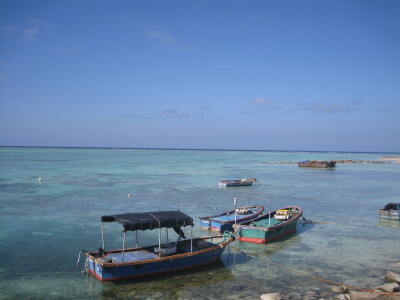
(237, 182)
(225, 220)
(107, 265)
(391, 211)
(270, 226)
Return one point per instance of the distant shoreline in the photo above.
(395, 158)
(383, 160)
(201, 149)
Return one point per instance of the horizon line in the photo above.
(194, 149)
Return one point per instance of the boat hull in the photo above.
(155, 266)
(271, 230)
(260, 236)
(389, 214)
(238, 182)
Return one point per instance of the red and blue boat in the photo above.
(125, 263)
(226, 220)
(270, 226)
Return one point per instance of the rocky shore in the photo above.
(389, 291)
(343, 161)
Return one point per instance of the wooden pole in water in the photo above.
(102, 234)
(123, 247)
(136, 240)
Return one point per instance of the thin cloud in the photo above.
(386, 108)
(163, 38)
(10, 29)
(320, 107)
(29, 34)
(37, 22)
(260, 101)
(171, 113)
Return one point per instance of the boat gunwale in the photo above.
(274, 227)
(159, 259)
(238, 180)
(232, 211)
(389, 211)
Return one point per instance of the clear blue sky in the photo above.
(274, 75)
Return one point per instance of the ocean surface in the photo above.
(45, 223)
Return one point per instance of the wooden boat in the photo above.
(237, 182)
(124, 263)
(391, 211)
(270, 226)
(317, 164)
(225, 220)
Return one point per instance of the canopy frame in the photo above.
(149, 221)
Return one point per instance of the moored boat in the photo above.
(107, 265)
(270, 226)
(391, 211)
(317, 164)
(237, 182)
(224, 221)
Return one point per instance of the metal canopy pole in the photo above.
(159, 242)
(102, 234)
(123, 247)
(191, 239)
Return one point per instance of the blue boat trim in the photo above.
(226, 220)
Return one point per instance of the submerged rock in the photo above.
(271, 296)
(338, 289)
(340, 297)
(392, 277)
(363, 295)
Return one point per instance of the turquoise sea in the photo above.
(45, 223)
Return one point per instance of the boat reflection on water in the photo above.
(166, 286)
(389, 223)
(265, 251)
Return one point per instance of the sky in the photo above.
(260, 75)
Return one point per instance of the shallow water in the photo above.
(44, 224)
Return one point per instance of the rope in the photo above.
(227, 234)
(247, 253)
